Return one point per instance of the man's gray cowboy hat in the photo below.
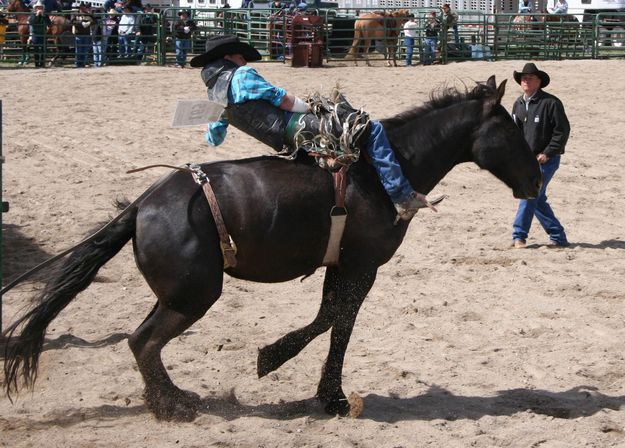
(219, 46)
(531, 69)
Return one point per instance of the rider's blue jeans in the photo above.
(540, 208)
(387, 165)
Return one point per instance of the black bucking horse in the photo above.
(278, 214)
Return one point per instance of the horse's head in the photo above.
(500, 147)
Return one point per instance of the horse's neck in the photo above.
(427, 154)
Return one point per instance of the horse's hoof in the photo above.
(177, 405)
(338, 407)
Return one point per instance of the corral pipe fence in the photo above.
(63, 41)
(478, 36)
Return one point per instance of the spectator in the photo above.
(135, 5)
(430, 42)
(524, 7)
(183, 30)
(561, 7)
(448, 20)
(38, 24)
(108, 5)
(546, 128)
(249, 4)
(98, 41)
(221, 14)
(410, 34)
(147, 32)
(276, 7)
(479, 50)
(109, 35)
(126, 30)
(49, 6)
(81, 26)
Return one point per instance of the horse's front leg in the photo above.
(351, 288)
(274, 355)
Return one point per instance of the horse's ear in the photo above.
(501, 90)
(491, 82)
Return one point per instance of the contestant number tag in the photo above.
(196, 112)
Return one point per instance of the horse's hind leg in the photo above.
(351, 290)
(366, 51)
(184, 268)
(274, 355)
(162, 397)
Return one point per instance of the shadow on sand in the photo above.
(436, 403)
(19, 253)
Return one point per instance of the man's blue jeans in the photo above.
(386, 164)
(429, 50)
(182, 47)
(541, 209)
(409, 44)
(82, 44)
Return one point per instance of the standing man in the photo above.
(449, 19)
(546, 128)
(410, 34)
(183, 31)
(126, 31)
(432, 29)
(82, 22)
(38, 24)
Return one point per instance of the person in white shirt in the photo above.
(561, 7)
(410, 34)
(127, 29)
(524, 7)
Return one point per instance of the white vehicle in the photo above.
(584, 9)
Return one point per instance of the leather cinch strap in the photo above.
(338, 217)
(228, 248)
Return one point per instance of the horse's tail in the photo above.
(21, 356)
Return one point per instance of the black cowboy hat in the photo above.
(219, 46)
(531, 69)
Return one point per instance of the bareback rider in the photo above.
(263, 111)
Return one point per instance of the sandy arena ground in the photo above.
(462, 341)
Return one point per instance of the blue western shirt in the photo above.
(246, 85)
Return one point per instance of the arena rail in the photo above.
(480, 37)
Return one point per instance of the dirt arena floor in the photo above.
(461, 342)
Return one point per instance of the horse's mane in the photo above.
(441, 99)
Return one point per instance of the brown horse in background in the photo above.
(58, 26)
(382, 26)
